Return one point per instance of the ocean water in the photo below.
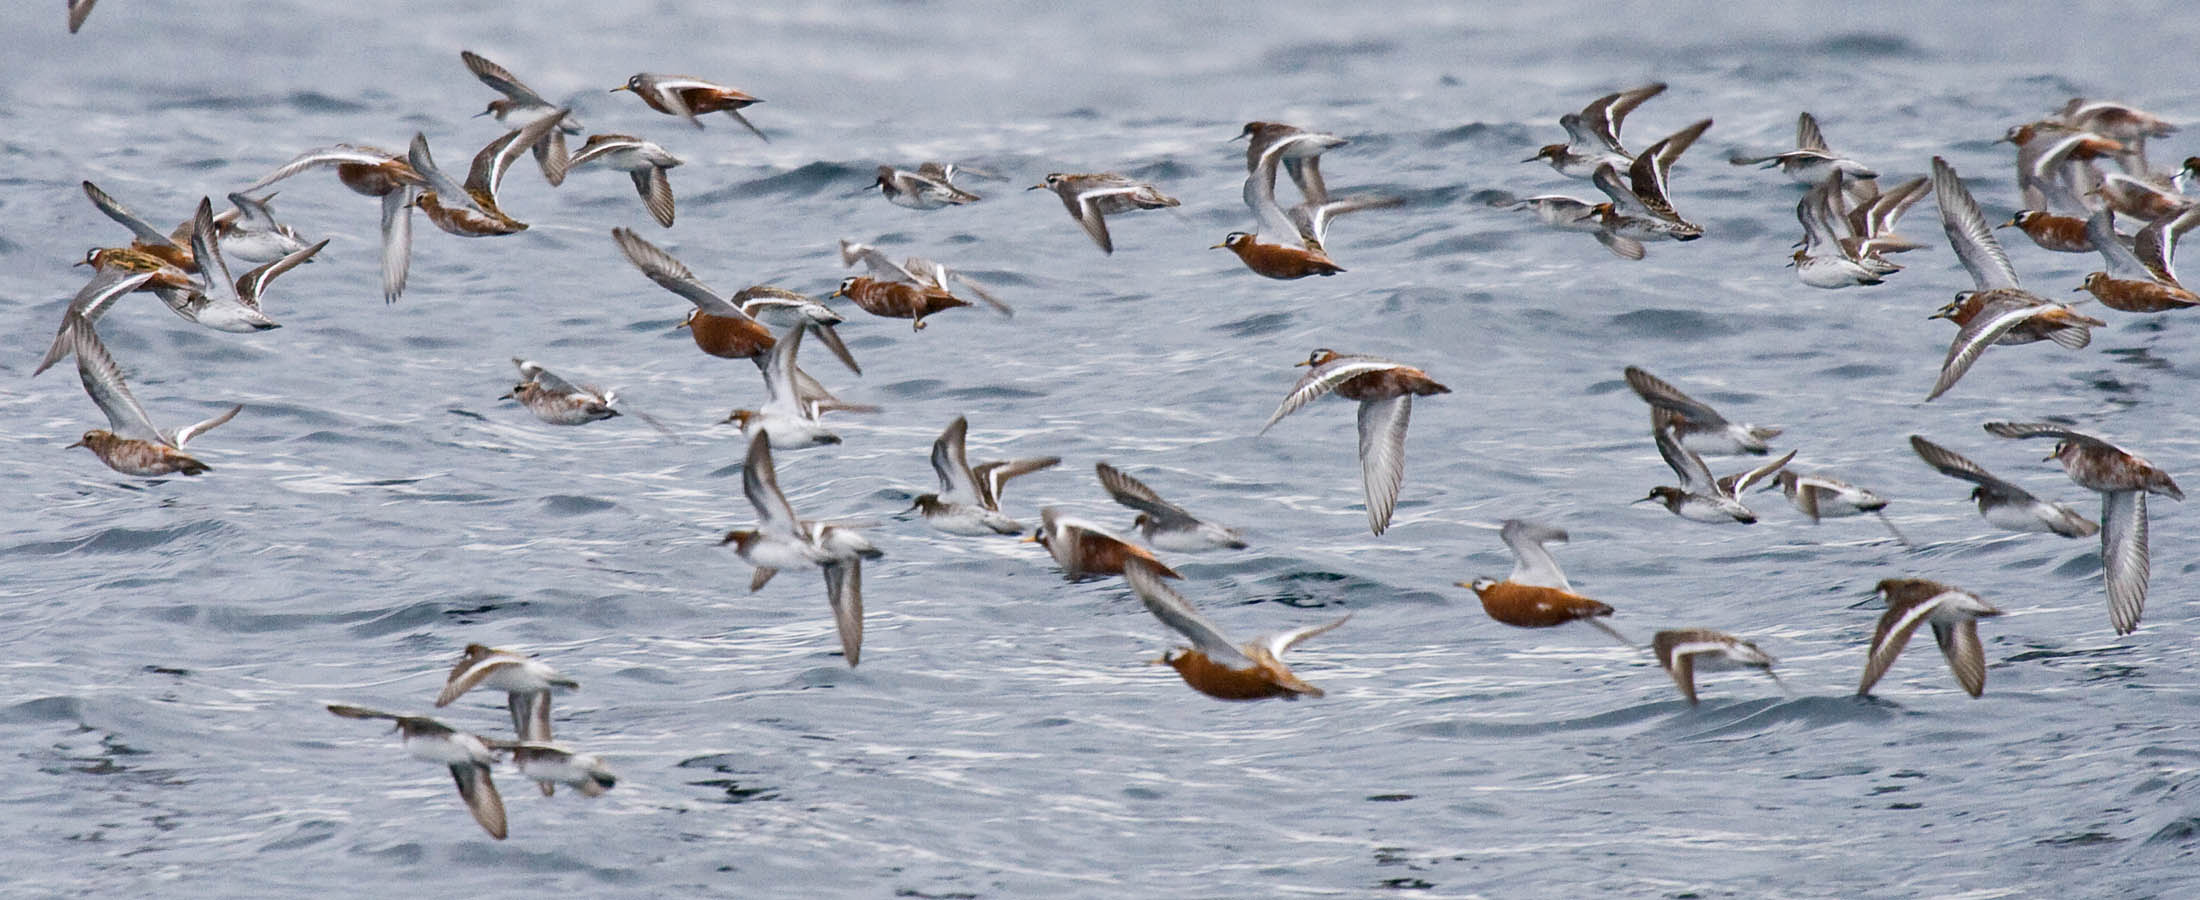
(169, 644)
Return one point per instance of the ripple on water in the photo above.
(572, 505)
(118, 540)
(1674, 325)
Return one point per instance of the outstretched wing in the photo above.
(103, 381)
(1993, 321)
(1658, 393)
(1533, 564)
(1322, 379)
(1135, 494)
(497, 77)
(1955, 465)
(1177, 613)
(673, 276)
(1968, 233)
(1695, 476)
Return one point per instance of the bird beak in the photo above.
(2048, 458)
(837, 292)
(1867, 601)
(79, 443)
(481, 113)
(1465, 584)
(1215, 247)
(2078, 289)
(620, 88)
(1531, 159)
(1644, 500)
(1035, 187)
(2011, 223)
(1301, 364)
(1937, 315)
(1032, 538)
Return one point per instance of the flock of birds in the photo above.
(1848, 227)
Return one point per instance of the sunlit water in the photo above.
(169, 644)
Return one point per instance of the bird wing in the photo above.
(1955, 465)
(1885, 210)
(831, 339)
(1088, 204)
(417, 155)
(2124, 556)
(183, 436)
(469, 674)
(1622, 247)
(2044, 429)
(844, 590)
(1663, 395)
(349, 711)
(1279, 642)
(341, 154)
(532, 371)
(103, 381)
(1896, 626)
(761, 483)
(670, 92)
(1135, 494)
(480, 793)
(1616, 110)
(1968, 233)
(1736, 484)
(951, 461)
(114, 209)
(1260, 197)
(992, 477)
(1177, 613)
(206, 251)
(942, 273)
(878, 263)
(497, 157)
(1695, 476)
(1312, 219)
(1324, 378)
(91, 301)
(2100, 228)
(1981, 332)
(598, 145)
(656, 190)
(1654, 166)
(673, 276)
(1807, 135)
(1533, 564)
(396, 242)
(1383, 454)
(781, 387)
(1966, 657)
(1623, 197)
(2156, 245)
(251, 285)
(530, 714)
(497, 77)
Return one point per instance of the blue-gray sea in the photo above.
(168, 645)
